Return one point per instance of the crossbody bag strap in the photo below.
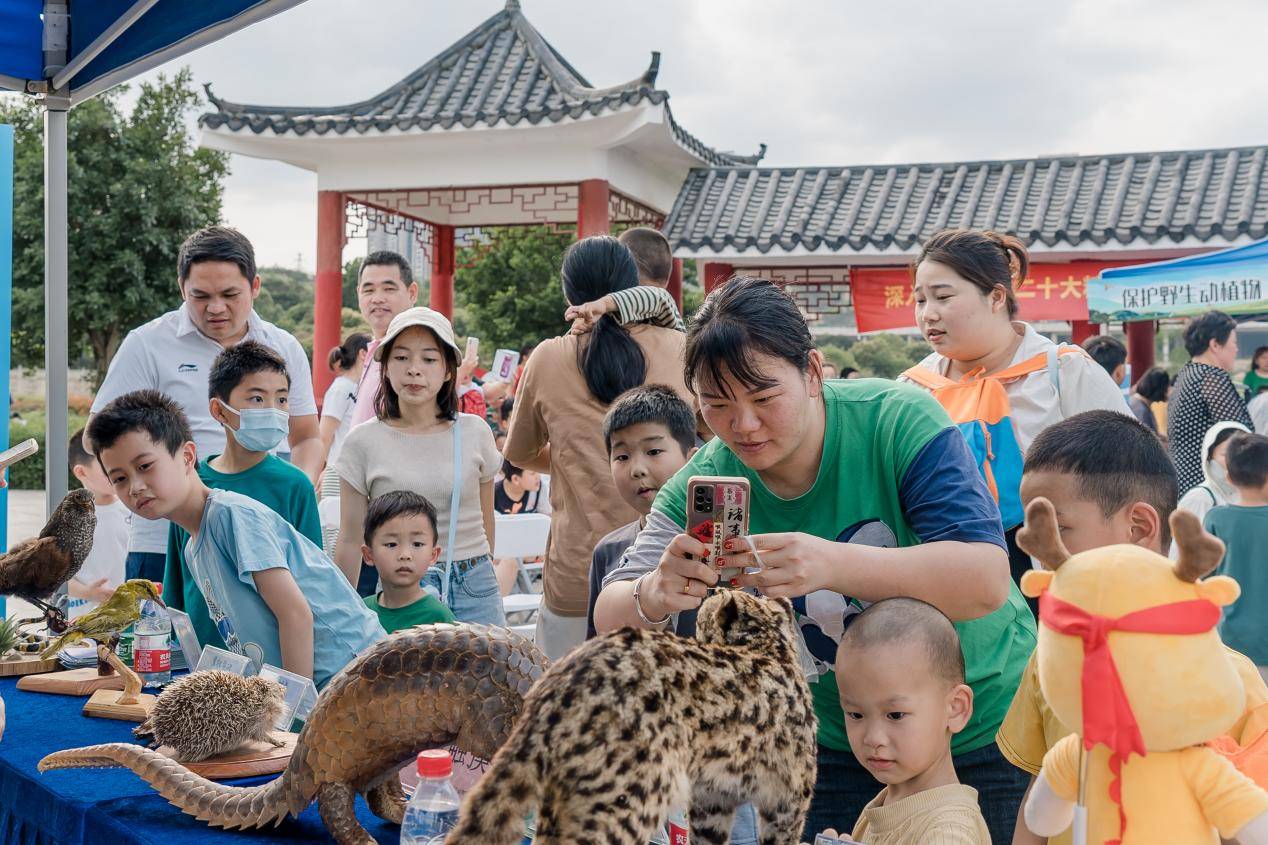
(455, 499)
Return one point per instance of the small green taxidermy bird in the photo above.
(107, 621)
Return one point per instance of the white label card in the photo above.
(185, 635)
(300, 694)
(217, 658)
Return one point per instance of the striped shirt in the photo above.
(647, 304)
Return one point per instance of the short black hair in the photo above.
(387, 258)
(149, 411)
(1115, 460)
(394, 504)
(846, 372)
(1204, 328)
(1248, 460)
(509, 469)
(1107, 351)
(652, 255)
(652, 403)
(216, 243)
(76, 453)
(1153, 384)
(239, 361)
(1223, 434)
(743, 318)
(902, 620)
(507, 408)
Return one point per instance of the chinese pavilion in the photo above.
(499, 129)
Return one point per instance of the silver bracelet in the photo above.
(638, 607)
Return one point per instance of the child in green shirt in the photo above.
(249, 390)
(400, 536)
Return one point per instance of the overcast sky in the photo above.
(819, 82)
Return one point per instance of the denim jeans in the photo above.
(844, 787)
(473, 590)
(745, 830)
(147, 565)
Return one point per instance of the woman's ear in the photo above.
(999, 299)
(816, 373)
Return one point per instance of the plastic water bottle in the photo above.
(152, 645)
(433, 809)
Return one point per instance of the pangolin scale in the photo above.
(423, 687)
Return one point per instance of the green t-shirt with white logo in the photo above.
(894, 472)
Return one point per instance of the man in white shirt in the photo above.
(173, 354)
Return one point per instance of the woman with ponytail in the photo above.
(965, 290)
(557, 427)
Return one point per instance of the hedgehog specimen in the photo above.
(209, 713)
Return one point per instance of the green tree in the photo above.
(507, 288)
(887, 355)
(351, 271)
(137, 187)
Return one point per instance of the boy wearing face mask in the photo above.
(249, 391)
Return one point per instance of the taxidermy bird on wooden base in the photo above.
(34, 569)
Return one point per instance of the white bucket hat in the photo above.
(423, 317)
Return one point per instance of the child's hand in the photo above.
(584, 316)
(99, 592)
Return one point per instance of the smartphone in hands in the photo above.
(717, 511)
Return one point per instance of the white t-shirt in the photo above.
(1033, 400)
(109, 551)
(169, 354)
(378, 459)
(340, 401)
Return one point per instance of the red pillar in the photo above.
(675, 282)
(715, 273)
(592, 208)
(328, 287)
(1140, 346)
(1081, 330)
(442, 267)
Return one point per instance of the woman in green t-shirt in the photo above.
(860, 489)
(1258, 375)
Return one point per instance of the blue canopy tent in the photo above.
(1233, 280)
(64, 53)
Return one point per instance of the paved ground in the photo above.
(26, 518)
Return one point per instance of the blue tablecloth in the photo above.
(93, 806)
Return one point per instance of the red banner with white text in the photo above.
(883, 299)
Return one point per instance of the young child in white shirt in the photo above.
(103, 569)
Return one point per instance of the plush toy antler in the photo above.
(1040, 537)
(1200, 553)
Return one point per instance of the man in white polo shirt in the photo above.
(173, 354)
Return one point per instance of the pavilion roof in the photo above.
(503, 71)
(1090, 201)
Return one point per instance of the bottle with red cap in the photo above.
(433, 809)
(152, 644)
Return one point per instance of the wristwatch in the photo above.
(638, 607)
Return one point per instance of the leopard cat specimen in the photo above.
(636, 722)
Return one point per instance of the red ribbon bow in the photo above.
(1107, 714)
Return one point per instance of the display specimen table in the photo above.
(94, 806)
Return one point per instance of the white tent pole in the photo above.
(56, 363)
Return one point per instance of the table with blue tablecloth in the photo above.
(94, 806)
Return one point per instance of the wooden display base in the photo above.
(84, 681)
(27, 664)
(104, 704)
(251, 760)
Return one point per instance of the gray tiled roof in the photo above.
(503, 70)
(1074, 200)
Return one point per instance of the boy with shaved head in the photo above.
(901, 676)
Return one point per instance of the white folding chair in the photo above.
(519, 536)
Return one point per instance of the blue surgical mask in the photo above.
(259, 429)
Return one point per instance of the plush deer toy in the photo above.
(1128, 651)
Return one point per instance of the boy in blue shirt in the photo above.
(249, 391)
(272, 593)
(1244, 529)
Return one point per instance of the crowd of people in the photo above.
(885, 510)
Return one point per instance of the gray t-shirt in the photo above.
(378, 459)
(607, 557)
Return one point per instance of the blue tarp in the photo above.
(1234, 281)
(166, 30)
